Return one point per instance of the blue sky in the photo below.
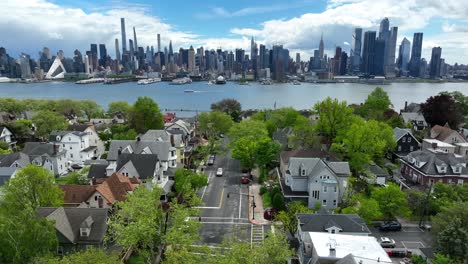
(29, 25)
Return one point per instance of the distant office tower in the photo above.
(191, 60)
(316, 63)
(262, 57)
(423, 68)
(404, 55)
(78, 65)
(321, 47)
(390, 49)
(44, 59)
(298, 58)
(124, 36)
(280, 63)
(356, 50)
(25, 66)
(336, 61)
(159, 42)
(435, 66)
(131, 47)
(384, 31)
(86, 62)
(60, 55)
(117, 50)
(379, 58)
(343, 63)
(368, 53)
(94, 56)
(415, 61)
(102, 54)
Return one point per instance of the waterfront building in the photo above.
(379, 59)
(415, 61)
(124, 37)
(94, 56)
(368, 53)
(404, 56)
(102, 55)
(356, 50)
(435, 64)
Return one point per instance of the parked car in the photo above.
(270, 213)
(245, 180)
(219, 172)
(211, 159)
(386, 242)
(390, 226)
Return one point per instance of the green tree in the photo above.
(369, 209)
(364, 142)
(245, 150)
(442, 259)
(139, 222)
(187, 182)
(21, 128)
(450, 229)
(229, 106)
(288, 217)
(90, 109)
(145, 115)
(391, 200)
(32, 187)
(214, 123)
(47, 121)
(248, 129)
(304, 134)
(89, 256)
(11, 105)
(334, 116)
(442, 109)
(267, 150)
(375, 105)
(118, 106)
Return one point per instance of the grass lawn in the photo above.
(62, 180)
(266, 200)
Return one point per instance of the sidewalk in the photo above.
(254, 190)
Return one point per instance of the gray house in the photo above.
(350, 224)
(315, 179)
(47, 155)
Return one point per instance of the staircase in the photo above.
(257, 235)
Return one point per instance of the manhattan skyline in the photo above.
(70, 25)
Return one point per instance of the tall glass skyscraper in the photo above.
(415, 61)
(404, 55)
(368, 53)
(356, 52)
(124, 36)
(434, 70)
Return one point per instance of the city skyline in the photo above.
(299, 32)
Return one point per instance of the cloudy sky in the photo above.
(29, 25)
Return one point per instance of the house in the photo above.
(446, 134)
(376, 175)
(187, 128)
(93, 137)
(103, 195)
(98, 171)
(315, 179)
(349, 224)
(169, 117)
(416, 119)
(145, 167)
(326, 248)
(15, 159)
(174, 137)
(6, 174)
(76, 144)
(6, 136)
(77, 228)
(427, 167)
(166, 153)
(48, 155)
(406, 142)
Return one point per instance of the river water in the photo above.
(252, 96)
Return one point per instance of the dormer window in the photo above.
(457, 169)
(303, 172)
(84, 232)
(442, 168)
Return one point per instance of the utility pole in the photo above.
(424, 208)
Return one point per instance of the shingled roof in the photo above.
(138, 146)
(145, 164)
(348, 223)
(116, 187)
(431, 160)
(6, 160)
(77, 194)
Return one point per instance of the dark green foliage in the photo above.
(229, 106)
(442, 109)
(145, 115)
(278, 201)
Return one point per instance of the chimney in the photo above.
(56, 148)
(138, 139)
(434, 145)
(406, 106)
(119, 151)
(172, 140)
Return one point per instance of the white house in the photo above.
(48, 155)
(93, 137)
(76, 144)
(6, 136)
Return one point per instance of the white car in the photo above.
(219, 172)
(386, 242)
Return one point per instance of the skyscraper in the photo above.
(390, 49)
(356, 47)
(435, 66)
(368, 53)
(404, 55)
(415, 61)
(135, 39)
(384, 31)
(336, 61)
(117, 50)
(321, 47)
(102, 54)
(94, 56)
(124, 37)
(298, 58)
(262, 57)
(191, 60)
(379, 58)
(159, 42)
(343, 63)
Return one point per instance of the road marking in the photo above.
(413, 242)
(226, 223)
(240, 205)
(220, 217)
(206, 207)
(204, 189)
(222, 198)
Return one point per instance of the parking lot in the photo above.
(410, 237)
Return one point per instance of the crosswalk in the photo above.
(257, 235)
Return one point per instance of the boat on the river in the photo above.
(148, 81)
(220, 80)
(180, 81)
(188, 91)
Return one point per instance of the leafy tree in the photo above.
(139, 222)
(450, 229)
(123, 132)
(393, 119)
(229, 106)
(364, 142)
(88, 256)
(248, 129)
(369, 209)
(442, 109)
(442, 259)
(21, 128)
(267, 150)
(279, 118)
(304, 135)
(187, 182)
(459, 98)
(334, 116)
(375, 105)
(245, 150)
(4, 146)
(288, 217)
(118, 106)
(24, 236)
(47, 121)
(277, 201)
(32, 187)
(214, 123)
(90, 109)
(78, 177)
(391, 200)
(145, 115)
(11, 105)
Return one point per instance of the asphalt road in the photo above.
(410, 237)
(221, 216)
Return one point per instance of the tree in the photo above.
(267, 150)
(391, 200)
(21, 128)
(88, 256)
(229, 106)
(375, 105)
(442, 109)
(118, 106)
(393, 119)
(214, 123)
(47, 121)
(11, 105)
(245, 150)
(122, 132)
(334, 116)
(187, 182)
(145, 115)
(364, 142)
(248, 129)
(442, 259)
(90, 109)
(139, 222)
(32, 187)
(369, 209)
(450, 229)
(288, 217)
(304, 135)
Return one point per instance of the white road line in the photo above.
(206, 207)
(220, 217)
(240, 205)
(204, 189)
(226, 223)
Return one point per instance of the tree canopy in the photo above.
(214, 123)
(391, 201)
(334, 116)
(118, 106)
(145, 115)
(47, 121)
(442, 109)
(375, 105)
(229, 106)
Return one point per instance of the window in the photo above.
(69, 138)
(449, 180)
(315, 194)
(303, 172)
(460, 181)
(411, 148)
(403, 139)
(324, 202)
(84, 232)
(431, 181)
(71, 147)
(335, 189)
(71, 155)
(409, 139)
(399, 148)
(324, 189)
(334, 202)
(332, 231)
(63, 145)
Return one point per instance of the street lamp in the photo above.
(253, 201)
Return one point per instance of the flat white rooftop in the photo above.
(365, 248)
(438, 142)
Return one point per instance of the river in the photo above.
(252, 96)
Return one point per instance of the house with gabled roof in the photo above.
(315, 179)
(6, 136)
(406, 142)
(77, 145)
(416, 119)
(145, 167)
(16, 159)
(93, 137)
(446, 134)
(350, 224)
(48, 155)
(77, 228)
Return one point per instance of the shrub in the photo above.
(266, 200)
(263, 190)
(278, 201)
